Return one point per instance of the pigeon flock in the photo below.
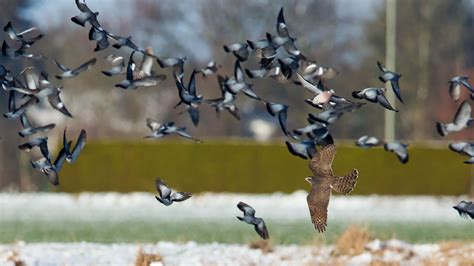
(278, 58)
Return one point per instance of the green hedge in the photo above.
(256, 168)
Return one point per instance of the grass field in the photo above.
(149, 231)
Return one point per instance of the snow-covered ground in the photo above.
(212, 206)
(392, 251)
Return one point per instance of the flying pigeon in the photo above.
(13, 112)
(462, 119)
(20, 52)
(375, 95)
(118, 65)
(51, 169)
(392, 77)
(167, 197)
(304, 149)
(323, 182)
(136, 77)
(87, 15)
(71, 156)
(368, 142)
(71, 73)
(240, 50)
(177, 63)
(455, 87)
(238, 83)
(464, 148)
(159, 130)
(284, 38)
(28, 129)
(281, 111)
(321, 96)
(19, 36)
(210, 69)
(249, 217)
(400, 149)
(226, 101)
(465, 209)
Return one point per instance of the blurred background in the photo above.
(434, 41)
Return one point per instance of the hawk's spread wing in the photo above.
(345, 184)
(322, 161)
(318, 201)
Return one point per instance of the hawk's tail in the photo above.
(345, 184)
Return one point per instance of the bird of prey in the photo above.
(462, 119)
(71, 156)
(464, 148)
(13, 112)
(304, 149)
(322, 182)
(375, 95)
(400, 149)
(210, 69)
(28, 129)
(240, 50)
(238, 83)
(392, 77)
(19, 36)
(249, 217)
(176, 63)
(118, 65)
(167, 196)
(136, 77)
(71, 73)
(284, 38)
(455, 87)
(368, 142)
(465, 209)
(226, 101)
(280, 110)
(161, 130)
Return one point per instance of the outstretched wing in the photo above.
(345, 184)
(180, 196)
(246, 209)
(321, 163)
(318, 201)
(162, 188)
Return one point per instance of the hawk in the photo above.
(322, 182)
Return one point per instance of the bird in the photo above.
(322, 182)
(368, 142)
(265, 50)
(50, 169)
(304, 149)
(71, 156)
(101, 37)
(71, 73)
(272, 72)
(321, 96)
(13, 112)
(284, 38)
(238, 83)
(188, 96)
(210, 69)
(249, 217)
(400, 149)
(20, 52)
(86, 15)
(240, 50)
(28, 129)
(226, 101)
(19, 36)
(465, 209)
(464, 148)
(375, 95)
(281, 111)
(41, 143)
(160, 130)
(167, 196)
(393, 78)
(136, 77)
(118, 65)
(462, 119)
(455, 87)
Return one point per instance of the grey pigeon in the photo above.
(28, 129)
(464, 148)
(71, 73)
(368, 142)
(87, 15)
(41, 143)
(20, 52)
(400, 149)
(13, 112)
(462, 119)
(240, 50)
(19, 36)
(249, 217)
(284, 38)
(280, 111)
(304, 149)
(167, 196)
(226, 101)
(118, 65)
(188, 96)
(375, 95)
(393, 78)
(176, 63)
(136, 77)
(71, 156)
(162, 130)
(210, 69)
(51, 169)
(101, 37)
(465, 209)
(455, 87)
(238, 83)
(321, 96)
